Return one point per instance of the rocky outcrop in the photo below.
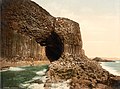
(29, 31)
(98, 59)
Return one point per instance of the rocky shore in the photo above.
(83, 74)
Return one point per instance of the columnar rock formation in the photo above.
(26, 27)
(30, 32)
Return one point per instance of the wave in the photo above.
(117, 61)
(61, 85)
(36, 86)
(109, 69)
(16, 69)
(31, 84)
(41, 73)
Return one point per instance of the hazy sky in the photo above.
(99, 23)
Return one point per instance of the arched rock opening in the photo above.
(54, 46)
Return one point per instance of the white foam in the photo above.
(3, 70)
(44, 78)
(36, 86)
(15, 69)
(62, 85)
(30, 85)
(117, 61)
(24, 85)
(36, 77)
(41, 73)
(33, 79)
(109, 69)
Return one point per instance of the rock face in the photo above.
(30, 32)
(27, 29)
(24, 26)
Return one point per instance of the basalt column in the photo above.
(24, 25)
(70, 35)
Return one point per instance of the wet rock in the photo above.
(103, 86)
(114, 82)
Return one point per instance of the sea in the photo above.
(33, 77)
(28, 77)
(112, 67)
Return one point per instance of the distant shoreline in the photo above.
(107, 58)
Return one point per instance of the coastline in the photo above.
(39, 81)
(109, 69)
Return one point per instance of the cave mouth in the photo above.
(54, 47)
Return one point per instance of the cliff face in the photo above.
(24, 25)
(27, 29)
(30, 32)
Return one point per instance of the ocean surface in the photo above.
(33, 77)
(112, 67)
(28, 77)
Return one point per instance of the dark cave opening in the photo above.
(54, 47)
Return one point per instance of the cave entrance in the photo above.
(54, 47)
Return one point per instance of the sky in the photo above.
(99, 22)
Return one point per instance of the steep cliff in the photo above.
(30, 32)
(24, 25)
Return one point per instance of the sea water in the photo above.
(112, 67)
(26, 77)
(23, 77)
